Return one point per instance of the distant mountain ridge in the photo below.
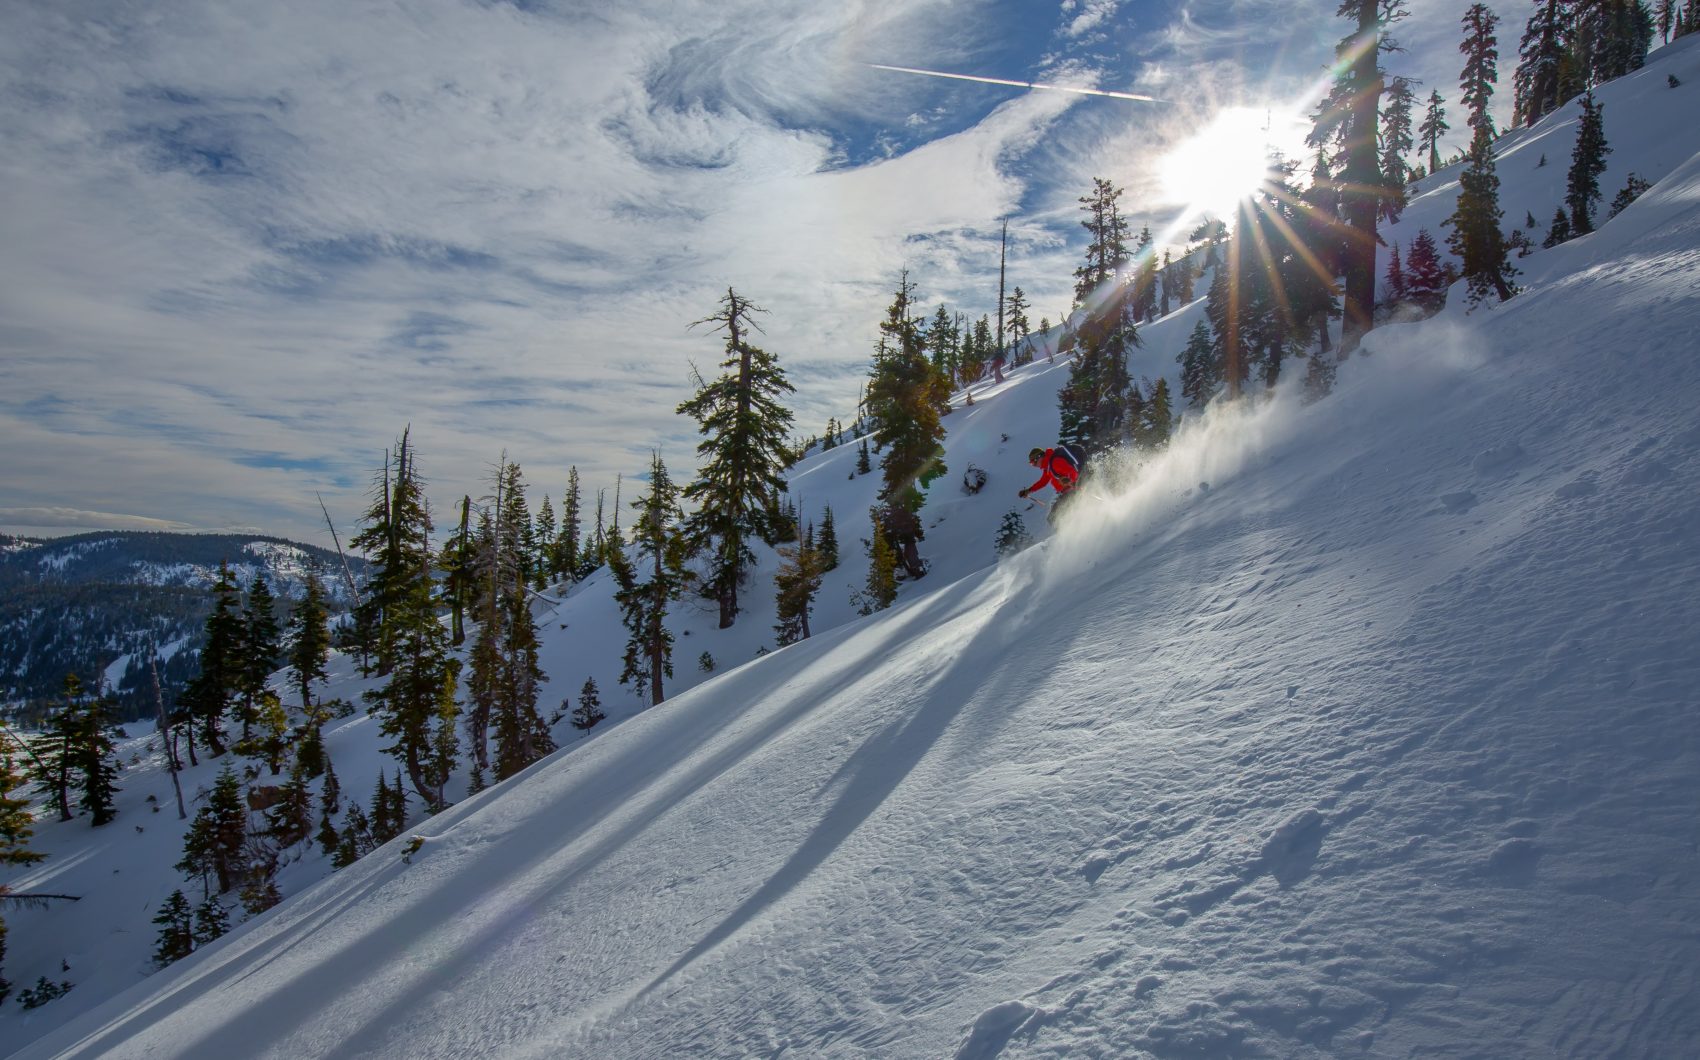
(92, 604)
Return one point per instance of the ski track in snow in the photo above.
(1362, 729)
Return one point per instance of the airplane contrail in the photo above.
(1020, 84)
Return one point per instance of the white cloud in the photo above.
(242, 245)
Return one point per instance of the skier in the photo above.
(1061, 471)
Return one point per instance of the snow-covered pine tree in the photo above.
(1395, 276)
(1587, 162)
(744, 452)
(1012, 534)
(1476, 237)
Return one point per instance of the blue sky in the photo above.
(244, 244)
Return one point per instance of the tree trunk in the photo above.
(1362, 178)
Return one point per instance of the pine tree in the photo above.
(567, 544)
(95, 760)
(1433, 127)
(290, 819)
(881, 589)
(795, 584)
(744, 453)
(1092, 406)
(1544, 52)
(457, 563)
(55, 750)
(1476, 237)
(661, 556)
(505, 677)
(1349, 118)
(1145, 278)
(1426, 278)
(355, 840)
(176, 938)
(210, 695)
(545, 535)
(589, 710)
(1020, 331)
(908, 399)
(330, 804)
(1107, 253)
(1396, 143)
(864, 463)
(384, 825)
(1559, 231)
(1633, 189)
(1200, 372)
(1225, 309)
(309, 648)
(944, 342)
(1158, 416)
(261, 647)
(827, 543)
(212, 921)
(215, 843)
(1395, 276)
(415, 707)
(1012, 534)
(15, 833)
(1587, 162)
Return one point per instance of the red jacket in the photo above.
(1059, 472)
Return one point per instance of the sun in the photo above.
(1214, 169)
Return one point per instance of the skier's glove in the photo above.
(1023, 493)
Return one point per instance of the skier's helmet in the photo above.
(1035, 455)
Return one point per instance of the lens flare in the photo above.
(1226, 162)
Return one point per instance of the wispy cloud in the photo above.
(242, 245)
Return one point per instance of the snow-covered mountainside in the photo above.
(1362, 728)
(92, 604)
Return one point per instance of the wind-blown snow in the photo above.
(1358, 728)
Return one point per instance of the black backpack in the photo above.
(1074, 454)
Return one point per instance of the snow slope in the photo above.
(1358, 729)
